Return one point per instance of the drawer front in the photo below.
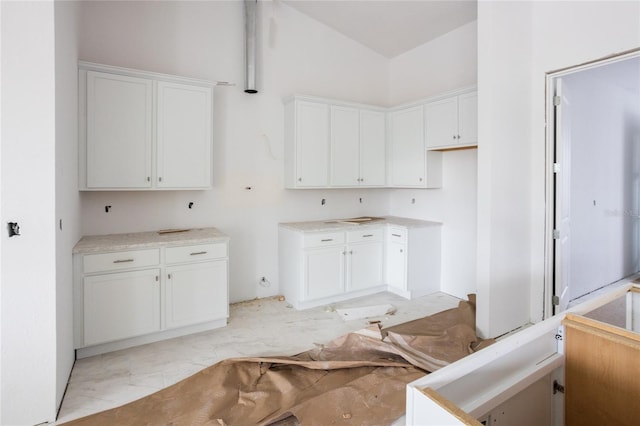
(397, 235)
(323, 239)
(195, 253)
(120, 260)
(364, 235)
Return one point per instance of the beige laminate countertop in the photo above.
(153, 239)
(339, 224)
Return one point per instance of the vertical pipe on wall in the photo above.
(250, 7)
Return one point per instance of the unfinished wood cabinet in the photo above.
(568, 369)
(601, 373)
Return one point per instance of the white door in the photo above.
(441, 123)
(312, 144)
(365, 265)
(324, 272)
(184, 136)
(119, 131)
(121, 305)
(373, 157)
(196, 293)
(562, 184)
(345, 170)
(407, 148)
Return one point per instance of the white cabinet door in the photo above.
(365, 265)
(323, 272)
(119, 131)
(441, 123)
(372, 148)
(184, 135)
(397, 265)
(196, 293)
(345, 142)
(468, 118)
(452, 122)
(121, 305)
(408, 153)
(312, 144)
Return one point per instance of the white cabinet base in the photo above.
(148, 338)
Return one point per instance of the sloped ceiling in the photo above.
(389, 27)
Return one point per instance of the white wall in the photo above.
(518, 42)
(446, 63)
(27, 195)
(205, 40)
(67, 197)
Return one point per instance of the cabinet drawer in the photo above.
(195, 253)
(397, 235)
(120, 260)
(364, 235)
(324, 239)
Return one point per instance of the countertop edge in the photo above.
(335, 224)
(146, 240)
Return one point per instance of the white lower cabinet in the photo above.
(365, 259)
(126, 298)
(324, 267)
(353, 263)
(196, 293)
(323, 272)
(413, 260)
(121, 305)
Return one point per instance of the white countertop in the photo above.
(339, 224)
(138, 240)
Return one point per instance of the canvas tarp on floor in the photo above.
(357, 379)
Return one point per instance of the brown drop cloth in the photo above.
(356, 379)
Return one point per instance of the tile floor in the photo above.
(256, 328)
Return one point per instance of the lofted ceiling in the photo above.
(389, 27)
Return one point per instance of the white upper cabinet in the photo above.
(337, 144)
(306, 144)
(358, 153)
(184, 136)
(408, 153)
(345, 146)
(119, 131)
(143, 131)
(452, 122)
(373, 157)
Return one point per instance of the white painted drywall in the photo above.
(205, 40)
(518, 42)
(67, 215)
(27, 195)
(605, 168)
(444, 64)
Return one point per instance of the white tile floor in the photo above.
(256, 328)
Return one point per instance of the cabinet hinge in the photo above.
(555, 300)
(557, 387)
(557, 100)
(556, 234)
(556, 167)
